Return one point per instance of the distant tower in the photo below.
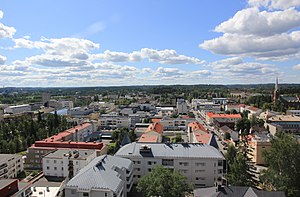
(276, 91)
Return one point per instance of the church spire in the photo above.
(276, 91)
(276, 85)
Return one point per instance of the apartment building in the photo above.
(66, 162)
(204, 106)
(181, 106)
(68, 139)
(201, 164)
(285, 123)
(259, 142)
(105, 176)
(10, 165)
(114, 121)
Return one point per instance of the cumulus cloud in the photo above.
(296, 67)
(166, 56)
(238, 68)
(6, 31)
(2, 59)
(274, 4)
(253, 22)
(264, 35)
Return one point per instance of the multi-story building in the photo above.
(10, 165)
(67, 104)
(201, 164)
(204, 106)
(289, 112)
(105, 176)
(221, 101)
(181, 106)
(285, 123)
(14, 188)
(66, 162)
(109, 121)
(259, 142)
(17, 109)
(69, 139)
(221, 120)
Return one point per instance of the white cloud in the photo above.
(296, 67)
(276, 47)
(1, 14)
(253, 22)
(238, 68)
(166, 56)
(6, 31)
(274, 4)
(2, 59)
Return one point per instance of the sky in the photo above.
(55, 43)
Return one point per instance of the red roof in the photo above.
(202, 136)
(252, 108)
(148, 138)
(79, 145)
(213, 115)
(197, 126)
(157, 127)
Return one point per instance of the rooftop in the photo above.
(213, 115)
(183, 150)
(100, 174)
(148, 138)
(71, 153)
(284, 118)
(157, 127)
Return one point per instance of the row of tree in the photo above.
(19, 133)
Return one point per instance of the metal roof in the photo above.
(100, 174)
(176, 150)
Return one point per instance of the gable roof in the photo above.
(213, 115)
(100, 173)
(157, 127)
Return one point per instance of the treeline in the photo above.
(18, 134)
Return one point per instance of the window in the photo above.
(85, 194)
(73, 191)
(220, 171)
(138, 162)
(48, 167)
(139, 176)
(54, 161)
(149, 162)
(62, 168)
(138, 169)
(220, 163)
(55, 168)
(149, 169)
(168, 162)
(105, 194)
(198, 171)
(200, 178)
(200, 164)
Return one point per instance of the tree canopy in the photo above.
(163, 182)
(283, 161)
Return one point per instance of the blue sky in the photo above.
(139, 42)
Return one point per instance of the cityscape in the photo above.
(150, 98)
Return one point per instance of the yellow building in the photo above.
(259, 143)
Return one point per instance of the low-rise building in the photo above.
(198, 134)
(17, 109)
(285, 123)
(66, 162)
(10, 165)
(14, 188)
(106, 176)
(201, 164)
(221, 120)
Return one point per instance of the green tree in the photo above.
(227, 136)
(163, 182)
(240, 168)
(283, 161)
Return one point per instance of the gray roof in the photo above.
(235, 191)
(100, 174)
(6, 157)
(78, 154)
(180, 150)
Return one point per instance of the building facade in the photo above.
(201, 164)
(10, 165)
(105, 176)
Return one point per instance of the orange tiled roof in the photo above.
(202, 136)
(157, 127)
(148, 138)
(213, 115)
(197, 126)
(253, 108)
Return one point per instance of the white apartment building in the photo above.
(10, 165)
(105, 176)
(17, 109)
(63, 162)
(201, 164)
(107, 121)
(204, 106)
(181, 106)
(67, 104)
